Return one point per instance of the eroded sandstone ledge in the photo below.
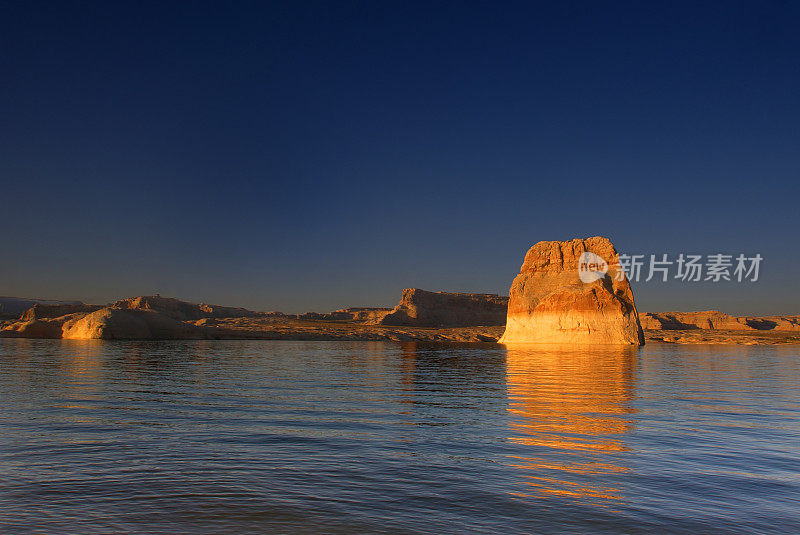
(421, 308)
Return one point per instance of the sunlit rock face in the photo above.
(550, 303)
(35, 328)
(121, 324)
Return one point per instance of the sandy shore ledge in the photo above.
(320, 330)
(295, 329)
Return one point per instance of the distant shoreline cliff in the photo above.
(566, 292)
(420, 316)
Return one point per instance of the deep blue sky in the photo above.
(304, 156)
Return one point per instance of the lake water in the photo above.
(367, 437)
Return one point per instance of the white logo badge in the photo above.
(591, 267)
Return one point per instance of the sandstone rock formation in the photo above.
(182, 310)
(715, 320)
(441, 309)
(32, 326)
(42, 310)
(131, 324)
(711, 319)
(781, 323)
(159, 318)
(370, 315)
(549, 303)
(37, 328)
(217, 311)
(14, 306)
(314, 316)
(144, 317)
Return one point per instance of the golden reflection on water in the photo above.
(84, 362)
(569, 406)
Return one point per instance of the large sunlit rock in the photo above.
(122, 324)
(551, 302)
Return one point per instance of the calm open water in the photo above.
(328, 437)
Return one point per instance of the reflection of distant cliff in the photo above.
(571, 404)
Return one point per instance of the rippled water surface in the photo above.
(327, 437)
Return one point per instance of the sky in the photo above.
(310, 156)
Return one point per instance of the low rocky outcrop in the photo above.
(352, 314)
(217, 311)
(143, 318)
(677, 321)
(12, 307)
(716, 320)
(47, 328)
(442, 309)
(172, 308)
(779, 323)
(182, 310)
(314, 316)
(369, 315)
(41, 310)
(38, 327)
(550, 303)
(128, 324)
